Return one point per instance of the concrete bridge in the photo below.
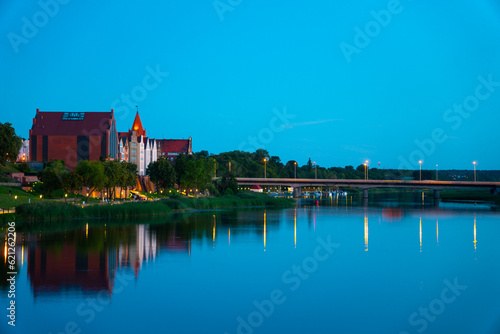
(297, 184)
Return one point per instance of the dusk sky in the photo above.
(385, 81)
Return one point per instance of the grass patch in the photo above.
(9, 168)
(10, 201)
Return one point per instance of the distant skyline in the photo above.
(341, 83)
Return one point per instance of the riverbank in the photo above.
(54, 210)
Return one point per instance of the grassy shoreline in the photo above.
(52, 210)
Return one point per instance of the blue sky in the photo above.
(295, 78)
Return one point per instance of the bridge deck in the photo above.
(364, 183)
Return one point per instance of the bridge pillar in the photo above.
(365, 193)
(436, 197)
(296, 192)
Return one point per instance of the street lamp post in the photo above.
(474, 163)
(295, 168)
(315, 170)
(420, 163)
(265, 171)
(366, 169)
(436, 172)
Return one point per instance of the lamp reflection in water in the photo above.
(265, 230)
(366, 232)
(437, 231)
(474, 232)
(213, 233)
(420, 234)
(229, 236)
(295, 229)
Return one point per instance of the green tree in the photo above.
(130, 179)
(180, 166)
(162, 174)
(114, 173)
(52, 176)
(128, 175)
(193, 176)
(227, 185)
(24, 167)
(309, 165)
(10, 143)
(92, 173)
(72, 182)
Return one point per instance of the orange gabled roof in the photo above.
(137, 126)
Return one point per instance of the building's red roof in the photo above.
(52, 123)
(256, 187)
(137, 126)
(175, 145)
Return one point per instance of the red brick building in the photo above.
(171, 148)
(73, 136)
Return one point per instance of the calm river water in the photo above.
(322, 267)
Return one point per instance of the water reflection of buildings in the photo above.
(143, 249)
(87, 261)
(58, 269)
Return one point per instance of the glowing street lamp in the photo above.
(265, 171)
(420, 163)
(474, 163)
(366, 169)
(315, 170)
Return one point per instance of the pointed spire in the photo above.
(137, 126)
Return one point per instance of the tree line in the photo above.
(95, 175)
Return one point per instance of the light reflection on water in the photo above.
(212, 271)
